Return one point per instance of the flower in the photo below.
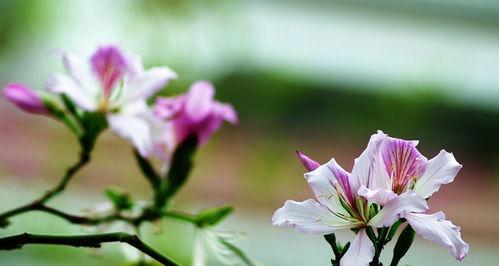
(25, 98)
(193, 113)
(116, 85)
(394, 168)
(339, 206)
(385, 174)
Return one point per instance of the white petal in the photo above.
(321, 181)
(440, 170)
(368, 168)
(379, 196)
(393, 210)
(80, 71)
(135, 129)
(81, 95)
(435, 228)
(309, 217)
(146, 84)
(361, 251)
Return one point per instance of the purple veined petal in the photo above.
(199, 100)
(168, 108)
(368, 169)
(402, 162)
(309, 217)
(109, 64)
(435, 228)
(379, 196)
(440, 170)
(134, 129)
(394, 209)
(24, 98)
(146, 84)
(82, 96)
(307, 162)
(361, 251)
(322, 181)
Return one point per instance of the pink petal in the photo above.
(440, 170)
(361, 251)
(309, 217)
(396, 208)
(379, 196)
(24, 98)
(435, 228)
(109, 64)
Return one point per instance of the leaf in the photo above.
(403, 244)
(148, 170)
(212, 216)
(180, 168)
(120, 199)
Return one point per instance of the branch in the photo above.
(39, 203)
(89, 241)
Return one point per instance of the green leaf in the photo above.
(403, 244)
(148, 171)
(212, 216)
(180, 168)
(331, 239)
(393, 230)
(120, 199)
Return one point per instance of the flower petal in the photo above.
(435, 228)
(379, 196)
(135, 129)
(145, 84)
(322, 181)
(80, 94)
(309, 217)
(367, 169)
(199, 102)
(440, 170)
(393, 210)
(309, 164)
(109, 64)
(402, 162)
(80, 72)
(361, 251)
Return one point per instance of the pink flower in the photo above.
(391, 173)
(194, 113)
(117, 85)
(24, 98)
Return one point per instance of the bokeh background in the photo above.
(318, 76)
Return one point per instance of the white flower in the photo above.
(118, 86)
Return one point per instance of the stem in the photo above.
(39, 203)
(89, 241)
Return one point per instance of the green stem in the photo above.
(89, 241)
(39, 203)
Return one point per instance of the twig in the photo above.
(89, 241)
(39, 203)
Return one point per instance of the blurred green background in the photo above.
(318, 76)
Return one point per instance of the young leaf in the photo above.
(120, 199)
(403, 244)
(212, 216)
(181, 165)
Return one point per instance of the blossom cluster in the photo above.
(389, 183)
(116, 85)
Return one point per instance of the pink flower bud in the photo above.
(309, 164)
(24, 98)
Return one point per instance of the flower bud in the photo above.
(24, 98)
(308, 163)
